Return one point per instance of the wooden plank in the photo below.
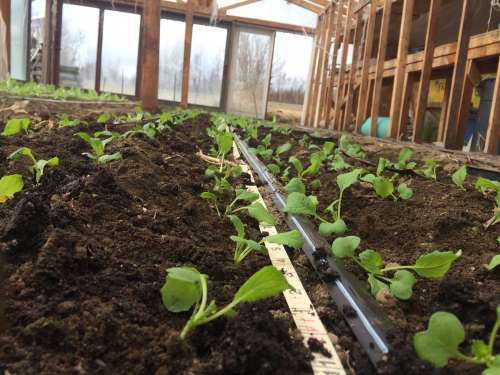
(56, 51)
(5, 15)
(354, 67)
(333, 74)
(47, 42)
(444, 109)
(405, 105)
(315, 93)
(237, 5)
(314, 76)
(188, 37)
(363, 92)
(309, 6)
(458, 80)
(343, 64)
(382, 49)
(425, 75)
(400, 73)
(98, 65)
(465, 101)
(493, 133)
(324, 69)
(151, 55)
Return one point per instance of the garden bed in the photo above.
(439, 216)
(85, 254)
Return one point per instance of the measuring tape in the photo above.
(304, 314)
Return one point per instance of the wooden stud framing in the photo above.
(5, 16)
(314, 73)
(333, 70)
(493, 134)
(315, 82)
(98, 66)
(151, 55)
(188, 37)
(363, 89)
(382, 49)
(326, 51)
(452, 118)
(407, 97)
(343, 63)
(444, 109)
(472, 78)
(400, 73)
(425, 75)
(352, 73)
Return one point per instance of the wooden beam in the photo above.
(425, 75)
(324, 68)
(237, 5)
(317, 72)
(458, 80)
(493, 133)
(5, 16)
(400, 73)
(379, 73)
(188, 37)
(342, 70)
(405, 105)
(444, 109)
(333, 74)
(151, 55)
(100, 38)
(363, 88)
(465, 100)
(309, 6)
(314, 74)
(352, 73)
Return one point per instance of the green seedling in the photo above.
(316, 184)
(15, 126)
(66, 122)
(212, 198)
(10, 185)
(344, 181)
(494, 263)
(398, 280)
(430, 170)
(404, 163)
(224, 142)
(484, 185)
(304, 141)
(222, 185)
(148, 130)
(443, 338)
(353, 150)
(459, 177)
(253, 208)
(38, 166)
(244, 246)
(103, 118)
(186, 287)
(384, 187)
(295, 186)
(98, 146)
(339, 164)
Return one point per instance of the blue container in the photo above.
(382, 127)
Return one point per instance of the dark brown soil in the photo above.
(438, 217)
(85, 254)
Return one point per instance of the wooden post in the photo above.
(47, 42)
(425, 75)
(400, 73)
(151, 55)
(407, 97)
(317, 72)
(444, 109)
(98, 65)
(343, 64)
(56, 47)
(473, 77)
(323, 61)
(312, 77)
(364, 85)
(324, 68)
(5, 16)
(352, 73)
(493, 134)
(458, 80)
(188, 37)
(336, 46)
(379, 73)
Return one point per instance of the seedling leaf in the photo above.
(371, 260)
(405, 192)
(265, 283)
(181, 290)
(300, 204)
(259, 213)
(383, 187)
(295, 186)
(338, 227)
(402, 284)
(436, 264)
(10, 185)
(15, 125)
(291, 239)
(344, 247)
(283, 148)
(459, 176)
(441, 341)
(494, 262)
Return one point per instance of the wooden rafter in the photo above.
(308, 5)
(237, 5)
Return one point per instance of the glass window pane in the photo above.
(19, 39)
(80, 29)
(249, 80)
(171, 58)
(120, 49)
(207, 65)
